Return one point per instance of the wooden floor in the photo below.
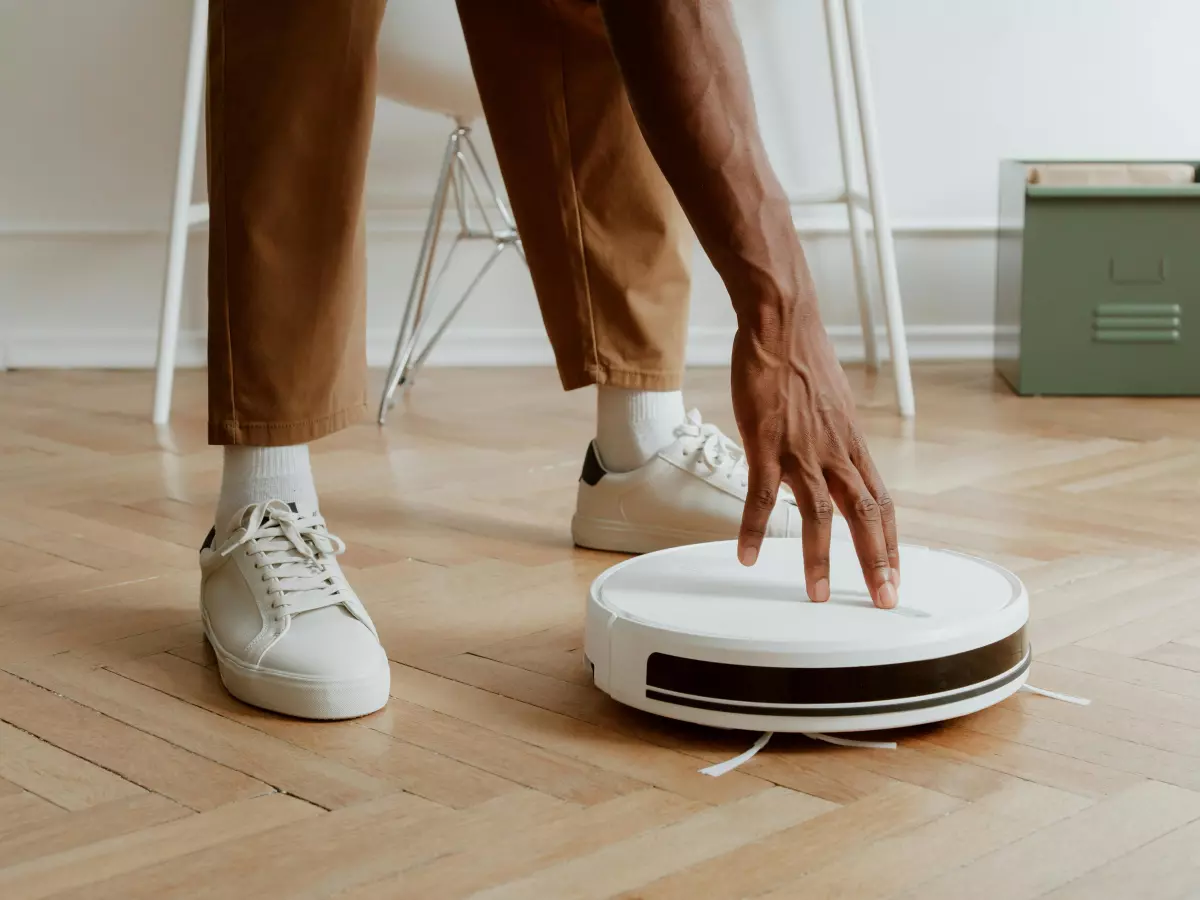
(497, 771)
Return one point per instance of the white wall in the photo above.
(90, 90)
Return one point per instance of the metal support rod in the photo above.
(491, 260)
(457, 176)
(420, 283)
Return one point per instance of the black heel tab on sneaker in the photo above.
(208, 541)
(593, 469)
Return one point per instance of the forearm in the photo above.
(687, 80)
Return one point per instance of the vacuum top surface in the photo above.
(703, 590)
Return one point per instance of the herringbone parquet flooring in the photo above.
(497, 771)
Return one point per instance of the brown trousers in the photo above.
(290, 107)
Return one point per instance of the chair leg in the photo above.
(884, 246)
(858, 233)
(497, 250)
(456, 176)
(185, 169)
(407, 369)
(458, 185)
(417, 295)
(505, 213)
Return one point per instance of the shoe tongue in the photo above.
(292, 507)
(291, 504)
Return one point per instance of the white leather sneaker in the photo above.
(289, 633)
(690, 492)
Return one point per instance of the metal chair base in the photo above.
(461, 175)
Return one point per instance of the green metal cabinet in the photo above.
(1098, 288)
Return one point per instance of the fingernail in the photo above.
(896, 577)
(821, 591)
(887, 597)
(748, 556)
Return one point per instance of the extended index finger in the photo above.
(761, 491)
(816, 527)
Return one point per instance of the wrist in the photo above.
(777, 315)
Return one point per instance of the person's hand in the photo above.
(795, 412)
(686, 76)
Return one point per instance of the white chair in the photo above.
(423, 63)
(841, 44)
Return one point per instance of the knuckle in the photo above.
(763, 499)
(866, 509)
(822, 511)
(886, 506)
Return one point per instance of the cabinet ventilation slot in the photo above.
(1137, 323)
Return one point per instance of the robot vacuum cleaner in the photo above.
(691, 634)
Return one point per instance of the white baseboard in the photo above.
(134, 348)
(412, 218)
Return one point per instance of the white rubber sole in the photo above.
(624, 537)
(303, 698)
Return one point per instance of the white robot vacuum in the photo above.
(691, 634)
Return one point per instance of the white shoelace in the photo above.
(715, 449)
(296, 551)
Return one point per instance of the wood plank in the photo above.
(265, 759)
(341, 850)
(644, 858)
(658, 766)
(419, 771)
(88, 867)
(1045, 767)
(524, 763)
(1183, 656)
(902, 860)
(762, 864)
(63, 779)
(1167, 868)
(22, 810)
(520, 853)
(1132, 671)
(140, 758)
(1069, 848)
(79, 829)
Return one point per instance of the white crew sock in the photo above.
(255, 474)
(632, 426)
